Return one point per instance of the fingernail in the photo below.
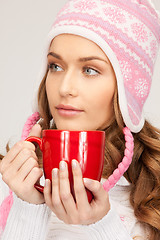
(55, 172)
(47, 182)
(87, 180)
(62, 165)
(74, 164)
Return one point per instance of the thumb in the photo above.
(36, 131)
(96, 188)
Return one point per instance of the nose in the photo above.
(69, 86)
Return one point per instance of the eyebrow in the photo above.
(85, 59)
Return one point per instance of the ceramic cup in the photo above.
(87, 147)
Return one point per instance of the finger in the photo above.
(96, 188)
(14, 151)
(15, 180)
(14, 167)
(36, 131)
(48, 194)
(11, 155)
(22, 157)
(34, 175)
(27, 190)
(79, 188)
(26, 169)
(65, 192)
(58, 207)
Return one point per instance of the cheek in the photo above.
(105, 99)
(105, 105)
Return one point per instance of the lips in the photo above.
(68, 110)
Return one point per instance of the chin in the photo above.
(73, 127)
(67, 127)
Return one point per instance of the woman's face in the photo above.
(80, 84)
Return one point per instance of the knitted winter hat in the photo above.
(128, 31)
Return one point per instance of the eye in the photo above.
(90, 71)
(54, 67)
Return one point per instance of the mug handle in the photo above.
(39, 142)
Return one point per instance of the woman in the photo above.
(97, 75)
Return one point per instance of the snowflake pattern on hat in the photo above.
(140, 32)
(126, 70)
(83, 5)
(115, 15)
(141, 87)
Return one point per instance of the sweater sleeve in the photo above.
(26, 221)
(110, 227)
(114, 227)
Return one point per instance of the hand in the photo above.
(60, 200)
(20, 169)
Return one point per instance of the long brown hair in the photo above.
(144, 172)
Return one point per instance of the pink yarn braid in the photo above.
(4, 210)
(8, 201)
(31, 121)
(124, 164)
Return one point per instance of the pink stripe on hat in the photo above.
(128, 31)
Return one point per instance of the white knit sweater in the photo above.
(36, 222)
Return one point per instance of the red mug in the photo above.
(87, 147)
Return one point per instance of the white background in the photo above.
(24, 25)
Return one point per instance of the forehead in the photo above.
(75, 44)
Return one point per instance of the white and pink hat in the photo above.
(128, 31)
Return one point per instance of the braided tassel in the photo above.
(4, 210)
(124, 164)
(31, 121)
